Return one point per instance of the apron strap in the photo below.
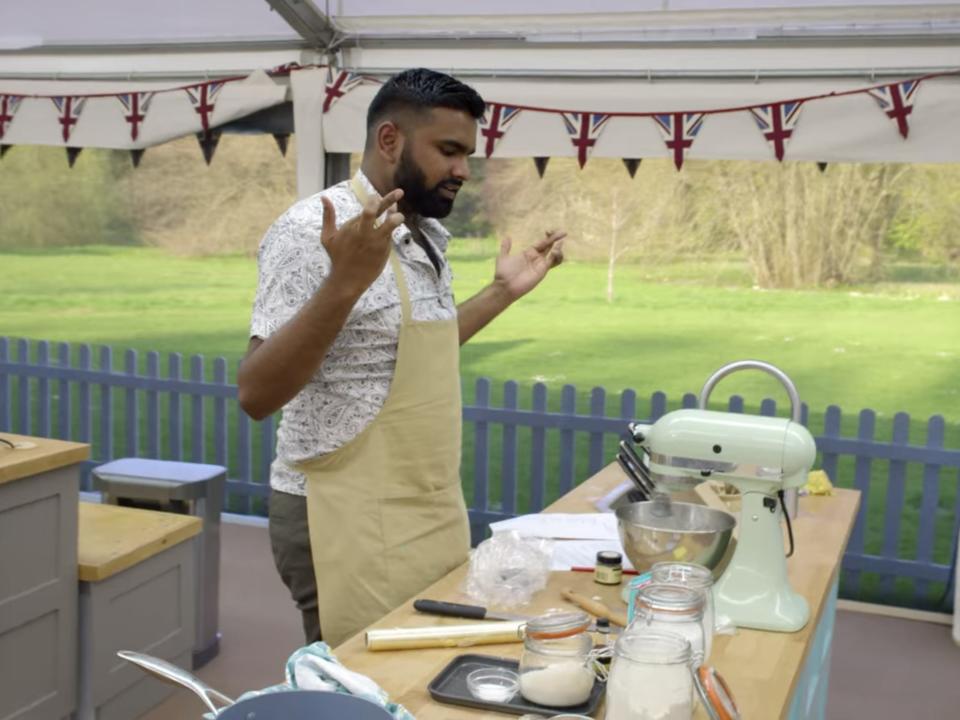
(401, 286)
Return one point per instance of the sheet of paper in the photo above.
(583, 553)
(569, 526)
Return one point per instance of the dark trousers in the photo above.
(290, 542)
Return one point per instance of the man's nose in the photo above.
(461, 169)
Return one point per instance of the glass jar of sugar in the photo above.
(650, 677)
(693, 576)
(555, 666)
(675, 609)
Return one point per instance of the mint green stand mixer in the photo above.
(766, 459)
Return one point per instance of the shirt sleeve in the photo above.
(292, 265)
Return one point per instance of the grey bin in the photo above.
(187, 489)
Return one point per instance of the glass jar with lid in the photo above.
(555, 665)
(650, 678)
(675, 609)
(693, 576)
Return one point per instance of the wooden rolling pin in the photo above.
(594, 607)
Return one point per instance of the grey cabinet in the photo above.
(38, 591)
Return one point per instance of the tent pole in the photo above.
(308, 94)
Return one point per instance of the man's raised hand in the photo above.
(360, 248)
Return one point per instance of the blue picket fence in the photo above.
(519, 456)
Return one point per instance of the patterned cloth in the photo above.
(315, 667)
(351, 386)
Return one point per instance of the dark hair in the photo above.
(421, 89)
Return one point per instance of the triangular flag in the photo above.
(136, 104)
(282, 139)
(8, 108)
(203, 98)
(541, 163)
(584, 129)
(339, 85)
(208, 144)
(896, 100)
(679, 131)
(136, 155)
(777, 123)
(822, 166)
(632, 165)
(72, 154)
(493, 125)
(69, 109)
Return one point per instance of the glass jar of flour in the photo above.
(650, 677)
(675, 609)
(696, 577)
(555, 665)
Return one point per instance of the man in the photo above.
(356, 336)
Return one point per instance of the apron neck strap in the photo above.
(362, 195)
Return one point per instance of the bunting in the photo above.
(679, 131)
(493, 125)
(136, 105)
(203, 98)
(344, 82)
(8, 108)
(896, 100)
(69, 109)
(584, 129)
(777, 123)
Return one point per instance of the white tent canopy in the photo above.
(612, 70)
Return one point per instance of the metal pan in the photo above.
(304, 705)
(289, 705)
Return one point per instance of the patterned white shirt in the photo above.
(352, 383)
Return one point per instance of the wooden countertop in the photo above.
(113, 538)
(46, 454)
(761, 668)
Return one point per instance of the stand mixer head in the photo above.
(760, 456)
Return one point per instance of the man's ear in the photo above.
(390, 141)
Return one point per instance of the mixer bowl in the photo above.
(686, 533)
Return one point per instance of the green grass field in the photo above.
(891, 347)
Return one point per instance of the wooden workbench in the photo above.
(772, 675)
(114, 538)
(39, 486)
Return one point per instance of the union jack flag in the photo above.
(584, 129)
(493, 124)
(136, 105)
(69, 109)
(896, 100)
(203, 97)
(679, 131)
(340, 85)
(8, 108)
(777, 123)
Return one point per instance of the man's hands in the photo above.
(359, 249)
(516, 275)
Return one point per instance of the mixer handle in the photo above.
(753, 365)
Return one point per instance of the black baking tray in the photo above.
(450, 686)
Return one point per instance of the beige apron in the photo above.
(386, 512)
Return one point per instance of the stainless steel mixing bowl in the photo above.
(686, 533)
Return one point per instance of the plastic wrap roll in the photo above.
(485, 633)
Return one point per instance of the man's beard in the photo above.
(421, 200)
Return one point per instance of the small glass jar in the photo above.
(693, 576)
(609, 568)
(555, 668)
(676, 609)
(650, 678)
